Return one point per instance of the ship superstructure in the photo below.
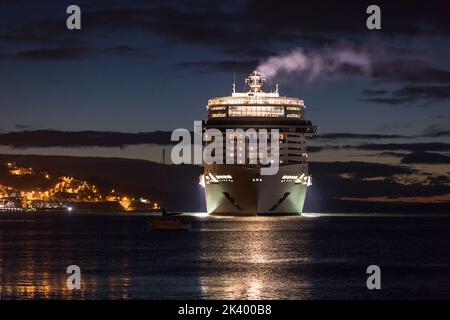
(239, 188)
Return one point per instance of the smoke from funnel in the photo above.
(312, 65)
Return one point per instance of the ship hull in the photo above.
(246, 195)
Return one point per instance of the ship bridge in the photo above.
(255, 96)
(257, 108)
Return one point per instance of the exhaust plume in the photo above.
(312, 65)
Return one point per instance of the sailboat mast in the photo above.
(163, 184)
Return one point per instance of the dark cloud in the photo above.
(437, 134)
(23, 126)
(439, 180)
(329, 186)
(392, 154)
(410, 95)
(53, 54)
(249, 27)
(56, 54)
(426, 83)
(370, 92)
(51, 33)
(389, 101)
(51, 138)
(358, 170)
(437, 129)
(393, 127)
(409, 70)
(435, 92)
(414, 147)
(426, 158)
(344, 136)
(122, 50)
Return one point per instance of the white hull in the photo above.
(245, 196)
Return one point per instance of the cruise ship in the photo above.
(239, 188)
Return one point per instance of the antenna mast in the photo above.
(234, 81)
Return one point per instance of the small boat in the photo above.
(168, 224)
(167, 221)
(165, 213)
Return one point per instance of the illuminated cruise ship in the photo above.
(239, 188)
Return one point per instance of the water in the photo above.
(224, 258)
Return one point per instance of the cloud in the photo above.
(370, 92)
(414, 147)
(344, 136)
(62, 54)
(389, 127)
(410, 95)
(388, 101)
(359, 170)
(52, 138)
(439, 180)
(444, 133)
(330, 187)
(436, 130)
(426, 158)
(392, 154)
(227, 27)
(435, 92)
(242, 27)
(409, 70)
(53, 54)
(23, 126)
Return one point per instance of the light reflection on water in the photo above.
(250, 262)
(223, 258)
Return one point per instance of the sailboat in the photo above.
(167, 221)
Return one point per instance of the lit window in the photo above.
(255, 111)
(217, 108)
(218, 115)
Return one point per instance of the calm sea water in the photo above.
(224, 258)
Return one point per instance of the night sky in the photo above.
(152, 65)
